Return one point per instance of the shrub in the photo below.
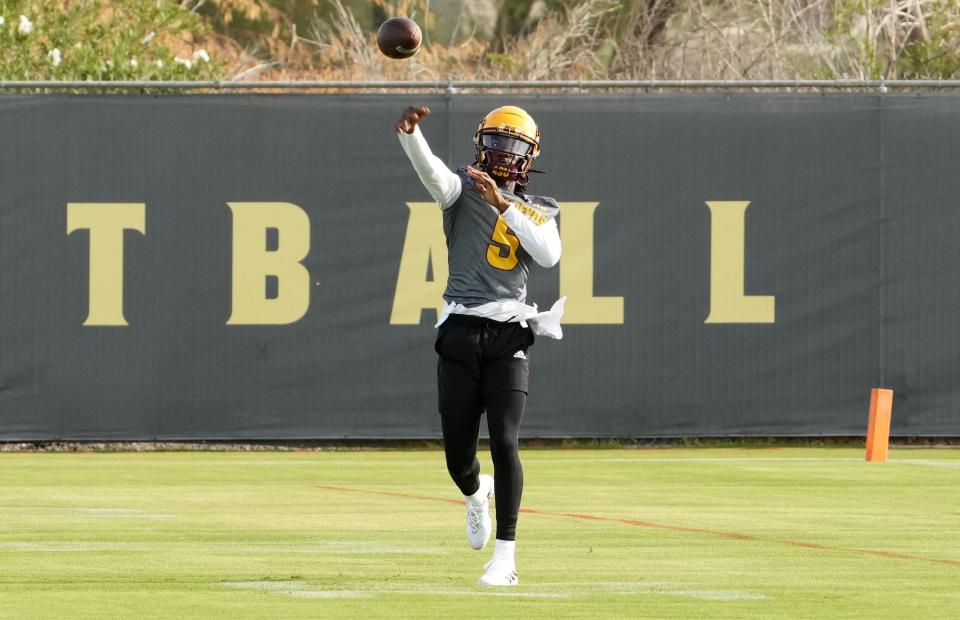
(103, 40)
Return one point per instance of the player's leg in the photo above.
(460, 435)
(504, 413)
(458, 376)
(505, 396)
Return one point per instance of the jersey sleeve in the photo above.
(537, 233)
(442, 184)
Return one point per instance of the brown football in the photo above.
(399, 37)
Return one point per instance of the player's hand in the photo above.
(488, 188)
(410, 117)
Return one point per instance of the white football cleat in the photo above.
(502, 573)
(479, 525)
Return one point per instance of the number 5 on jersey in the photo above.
(503, 239)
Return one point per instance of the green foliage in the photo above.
(102, 40)
(876, 39)
(937, 54)
(504, 62)
(505, 39)
(265, 28)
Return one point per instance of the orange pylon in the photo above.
(878, 426)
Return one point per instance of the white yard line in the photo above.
(334, 548)
(661, 588)
(682, 460)
(122, 512)
(719, 595)
(265, 585)
(929, 463)
(320, 461)
(328, 594)
(509, 592)
(301, 589)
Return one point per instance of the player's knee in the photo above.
(505, 450)
(462, 472)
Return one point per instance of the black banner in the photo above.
(269, 267)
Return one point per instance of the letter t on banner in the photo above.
(106, 222)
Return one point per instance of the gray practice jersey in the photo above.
(487, 262)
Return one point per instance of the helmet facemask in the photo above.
(505, 158)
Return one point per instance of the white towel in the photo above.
(542, 323)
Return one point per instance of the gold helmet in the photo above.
(507, 142)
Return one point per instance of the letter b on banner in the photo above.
(253, 263)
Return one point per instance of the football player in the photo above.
(494, 232)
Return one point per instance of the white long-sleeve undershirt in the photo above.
(444, 186)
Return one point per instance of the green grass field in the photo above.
(659, 533)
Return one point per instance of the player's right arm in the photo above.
(444, 186)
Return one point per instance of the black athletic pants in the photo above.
(483, 366)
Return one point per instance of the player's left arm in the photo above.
(541, 241)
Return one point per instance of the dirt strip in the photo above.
(661, 526)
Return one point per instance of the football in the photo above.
(399, 37)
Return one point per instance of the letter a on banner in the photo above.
(253, 263)
(728, 304)
(576, 270)
(106, 222)
(423, 247)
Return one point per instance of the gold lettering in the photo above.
(576, 270)
(106, 223)
(253, 263)
(531, 213)
(423, 246)
(728, 304)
